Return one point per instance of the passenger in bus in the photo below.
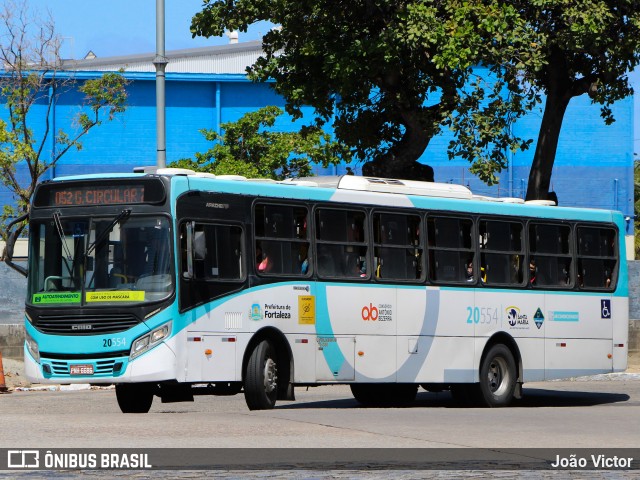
(470, 271)
(566, 271)
(470, 277)
(116, 277)
(263, 262)
(362, 267)
(303, 258)
(258, 255)
(265, 265)
(532, 271)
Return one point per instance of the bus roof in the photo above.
(368, 190)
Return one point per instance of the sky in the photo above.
(125, 27)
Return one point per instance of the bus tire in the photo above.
(261, 377)
(363, 393)
(134, 397)
(498, 377)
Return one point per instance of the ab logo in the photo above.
(370, 313)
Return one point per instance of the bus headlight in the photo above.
(32, 346)
(150, 340)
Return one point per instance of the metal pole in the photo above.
(160, 61)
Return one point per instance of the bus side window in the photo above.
(397, 249)
(451, 250)
(501, 252)
(281, 240)
(597, 261)
(551, 246)
(341, 243)
(212, 252)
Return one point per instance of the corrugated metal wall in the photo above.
(593, 167)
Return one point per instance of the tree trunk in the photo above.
(545, 154)
(561, 88)
(401, 159)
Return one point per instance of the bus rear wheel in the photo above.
(261, 377)
(134, 397)
(498, 377)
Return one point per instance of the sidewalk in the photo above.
(14, 374)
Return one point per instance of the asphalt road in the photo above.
(602, 412)
(598, 413)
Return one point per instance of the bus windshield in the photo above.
(100, 260)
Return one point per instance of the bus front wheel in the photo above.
(261, 377)
(498, 377)
(134, 397)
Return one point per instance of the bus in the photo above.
(172, 283)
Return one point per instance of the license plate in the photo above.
(81, 369)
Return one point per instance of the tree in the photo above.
(589, 47)
(32, 75)
(391, 74)
(247, 147)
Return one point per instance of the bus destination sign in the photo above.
(97, 195)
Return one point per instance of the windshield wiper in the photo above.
(73, 259)
(63, 241)
(58, 223)
(121, 216)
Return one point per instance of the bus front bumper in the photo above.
(158, 364)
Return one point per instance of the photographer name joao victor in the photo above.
(592, 461)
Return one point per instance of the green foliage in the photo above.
(105, 97)
(390, 74)
(248, 147)
(483, 133)
(32, 76)
(589, 47)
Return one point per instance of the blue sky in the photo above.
(124, 27)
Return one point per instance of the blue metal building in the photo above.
(206, 87)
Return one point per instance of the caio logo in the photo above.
(370, 313)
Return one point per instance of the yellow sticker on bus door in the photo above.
(116, 296)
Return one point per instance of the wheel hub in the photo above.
(270, 376)
(497, 375)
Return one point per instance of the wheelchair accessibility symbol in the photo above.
(605, 308)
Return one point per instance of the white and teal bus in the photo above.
(171, 283)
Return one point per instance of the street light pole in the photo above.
(160, 62)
